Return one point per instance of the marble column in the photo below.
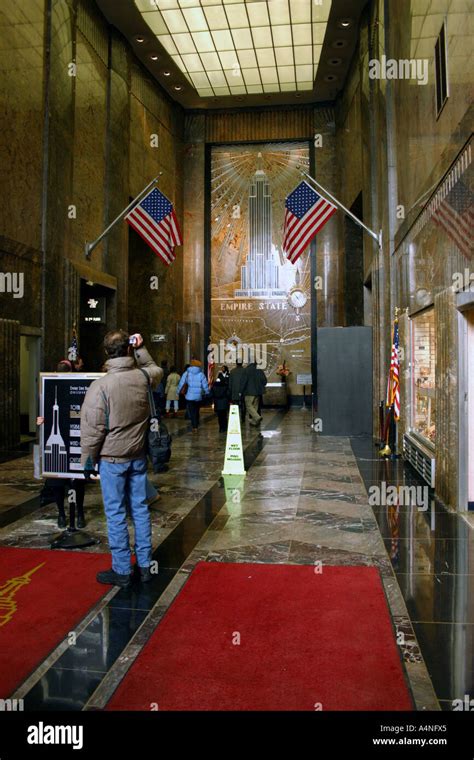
(194, 222)
(58, 195)
(329, 246)
(446, 398)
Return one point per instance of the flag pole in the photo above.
(372, 234)
(89, 247)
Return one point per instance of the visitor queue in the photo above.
(117, 437)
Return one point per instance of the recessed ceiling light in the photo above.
(177, 87)
(166, 73)
(154, 57)
(241, 97)
(297, 94)
(139, 39)
(330, 78)
(335, 61)
(345, 23)
(339, 44)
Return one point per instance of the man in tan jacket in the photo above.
(114, 424)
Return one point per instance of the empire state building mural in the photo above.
(55, 451)
(252, 282)
(260, 273)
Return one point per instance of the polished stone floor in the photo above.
(304, 500)
(432, 554)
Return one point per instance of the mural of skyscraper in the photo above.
(260, 273)
(55, 452)
(250, 275)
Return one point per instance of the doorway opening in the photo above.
(97, 314)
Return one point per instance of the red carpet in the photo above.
(38, 609)
(305, 638)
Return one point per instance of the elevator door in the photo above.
(344, 360)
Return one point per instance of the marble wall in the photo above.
(394, 149)
(245, 125)
(78, 115)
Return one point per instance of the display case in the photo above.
(423, 364)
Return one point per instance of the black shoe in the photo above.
(111, 578)
(145, 574)
(62, 520)
(81, 523)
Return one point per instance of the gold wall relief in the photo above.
(259, 300)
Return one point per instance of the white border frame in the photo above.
(61, 376)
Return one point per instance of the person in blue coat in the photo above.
(196, 388)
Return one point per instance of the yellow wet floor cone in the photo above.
(234, 453)
(234, 489)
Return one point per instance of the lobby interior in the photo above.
(229, 105)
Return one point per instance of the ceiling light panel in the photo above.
(175, 21)
(196, 20)
(242, 39)
(240, 47)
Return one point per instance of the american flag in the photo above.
(155, 220)
(210, 364)
(306, 213)
(73, 349)
(393, 385)
(456, 215)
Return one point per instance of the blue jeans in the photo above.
(122, 481)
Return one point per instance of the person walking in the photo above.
(252, 386)
(197, 387)
(114, 424)
(172, 383)
(220, 394)
(235, 378)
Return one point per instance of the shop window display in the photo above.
(423, 363)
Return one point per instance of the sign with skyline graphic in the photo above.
(62, 396)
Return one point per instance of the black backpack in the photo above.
(158, 443)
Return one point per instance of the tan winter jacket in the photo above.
(171, 386)
(115, 412)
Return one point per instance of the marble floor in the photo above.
(432, 555)
(304, 501)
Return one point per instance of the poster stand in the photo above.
(61, 399)
(73, 537)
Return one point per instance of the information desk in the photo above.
(275, 395)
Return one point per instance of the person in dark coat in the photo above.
(252, 386)
(235, 378)
(220, 394)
